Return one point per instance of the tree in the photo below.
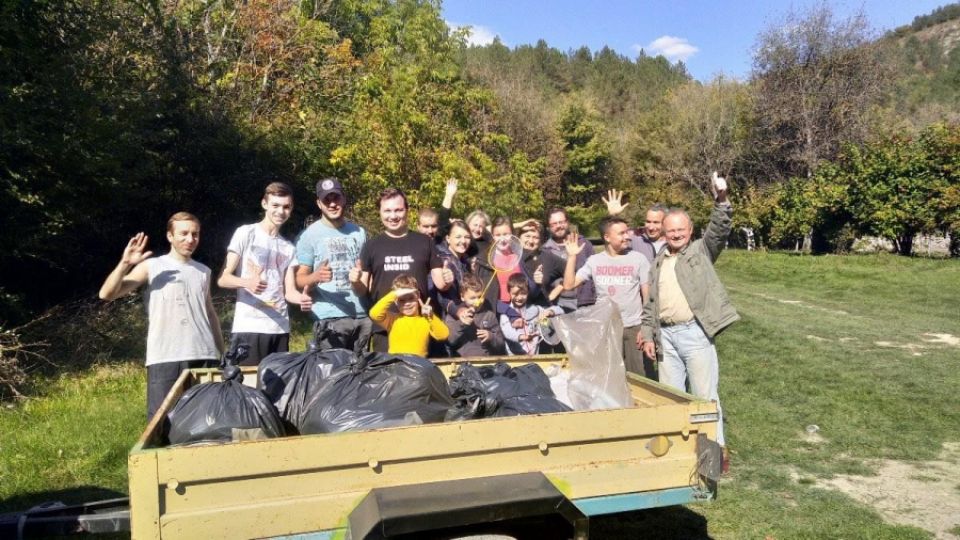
(816, 79)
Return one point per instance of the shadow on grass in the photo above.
(669, 523)
(70, 496)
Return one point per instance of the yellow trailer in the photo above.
(404, 480)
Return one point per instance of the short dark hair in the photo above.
(500, 221)
(277, 189)
(658, 208)
(428, 212)
(391, 193)
(557, 210)
(519, 281)
(608, 222)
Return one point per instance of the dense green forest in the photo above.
(115, 114)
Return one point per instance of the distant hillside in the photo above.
(926, 54)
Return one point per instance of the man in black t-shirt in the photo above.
(397, 250)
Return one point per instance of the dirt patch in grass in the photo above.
(922, 493)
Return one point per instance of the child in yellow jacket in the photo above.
(410, 330)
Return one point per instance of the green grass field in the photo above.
(857, 345)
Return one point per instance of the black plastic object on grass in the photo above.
(223, 411)
(499, 390)
(378, 390)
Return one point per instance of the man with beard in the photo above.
(395, 251)
(183, 329)
(329, 253)
(554, 262)
(619, 274)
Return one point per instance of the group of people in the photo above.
(453, 287)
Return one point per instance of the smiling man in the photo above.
(259, 265)
(688, 305)
(329, 254)
(397, 250)
(183, 329)
(620, 274)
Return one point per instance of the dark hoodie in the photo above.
(463, 339)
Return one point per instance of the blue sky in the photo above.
(711, 37)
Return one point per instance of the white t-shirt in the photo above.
(176, 302)
(619, 278)
(269, 257)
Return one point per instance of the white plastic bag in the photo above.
(593, 337)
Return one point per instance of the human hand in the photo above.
(518, 324)
(538, 275)
(639, 341)
(451, 188)
(447, 273)
(483, 335)
(254, 280)
(324, 273)
(612, 200)
(572, 244)
(405, 291)
(134, 253)
(425, 308)
(719, 185)
(465, 315)
(650, 350)
(306, 302)
(355, 272)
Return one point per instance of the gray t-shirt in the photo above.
(176, 301)
(619, 278)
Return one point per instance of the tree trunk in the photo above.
(905, 244)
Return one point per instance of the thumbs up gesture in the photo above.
(306, 302)
(355, 272)
(538, 275)
(323, 272)
(255, 282)
(719, 185)
(447, 273)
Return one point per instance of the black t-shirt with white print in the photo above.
(386, 257)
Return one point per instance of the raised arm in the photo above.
(573, 247)
(612, 200)
(131, 273)
(721, 219)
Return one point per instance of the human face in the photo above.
(477, 227)
(409, 304)
(427, 225)
(458, 240)
(654, 225)
(559, 226)
(184, 238)
(502, 236)
(332, 205)
(617, 237)
(393, 215)
(518, 297)
(677, 230)
(277, 208)
(471, 298)
(530, 240)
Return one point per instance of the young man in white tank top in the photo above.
(183, 329)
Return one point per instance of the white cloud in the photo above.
(477, 35)
(672, 48)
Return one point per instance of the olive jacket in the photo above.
(698, 280)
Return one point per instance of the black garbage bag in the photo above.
(293, 380)
(378, 390)
(222, 412)
(499, 390)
